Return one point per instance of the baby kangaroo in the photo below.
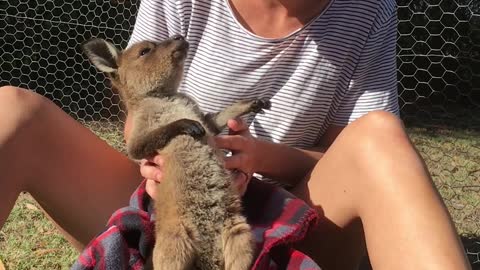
(198, 214)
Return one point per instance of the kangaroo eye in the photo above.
(145, 51)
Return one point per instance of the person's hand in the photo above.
(242, 145)
(151, 170)
(240, 142)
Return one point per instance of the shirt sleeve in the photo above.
(373, 85)
(156, 20)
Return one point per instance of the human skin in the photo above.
(370, 171)
(370, 184)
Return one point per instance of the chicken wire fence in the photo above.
(438, 80)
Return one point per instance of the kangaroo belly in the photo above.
(203, 196)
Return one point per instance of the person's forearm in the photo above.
(283, 163)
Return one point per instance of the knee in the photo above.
(19, 106)
(378, 136)
(14, 101)
(380, 123)
(378, 145)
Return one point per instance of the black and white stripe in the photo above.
(332, 71)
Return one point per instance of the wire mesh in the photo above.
(439, 61)
(438, 80)
(438, 64)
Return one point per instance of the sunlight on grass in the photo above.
(452, 158)
(30, 241)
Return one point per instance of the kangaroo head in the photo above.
(145, 69)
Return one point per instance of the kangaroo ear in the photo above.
(102, 54)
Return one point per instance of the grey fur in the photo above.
(199, 222)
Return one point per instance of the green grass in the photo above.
(453, 159)
(30, 241)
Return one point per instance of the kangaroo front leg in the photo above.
(146, 145)
(218, 121)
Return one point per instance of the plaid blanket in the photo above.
(278, 219)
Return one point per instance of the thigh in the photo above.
(76, 177)
(337, 242)
(341, 183)
(336, 187)
(373, 172)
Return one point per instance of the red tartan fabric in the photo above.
(278, 219)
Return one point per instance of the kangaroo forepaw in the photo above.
(194, 129)
(148, 144)
(260, 104)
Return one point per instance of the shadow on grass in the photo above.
(461, 121)
(472, 248)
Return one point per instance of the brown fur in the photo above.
(199, 222)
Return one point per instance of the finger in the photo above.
(237, 125)
(153, 161)
(151, 172)
(240, 182)
(151, 188)
(158, 159)
(146, 162)
(236, 161)
(230, 142)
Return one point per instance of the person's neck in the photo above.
(276, 18)
(300, 8)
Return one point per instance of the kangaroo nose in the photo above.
(178, 37)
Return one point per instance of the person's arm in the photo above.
(373, 86)
(280, 162)
(288, 164)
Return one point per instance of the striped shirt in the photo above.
(331, 71)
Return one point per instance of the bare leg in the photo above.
(373, 174)
(77, 178)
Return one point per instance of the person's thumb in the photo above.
(236, 125)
